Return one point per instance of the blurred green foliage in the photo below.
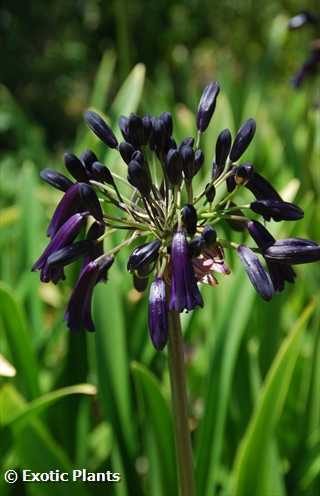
(253, 367)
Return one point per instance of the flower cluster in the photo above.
(182, 244)
(311, 65)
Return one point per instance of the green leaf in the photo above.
(103, 80)
(19, 342)
(228, 331)
(157, 414)
(253, 451)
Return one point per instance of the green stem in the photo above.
(180, 406)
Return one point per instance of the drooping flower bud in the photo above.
(100, 128)
(158, 314)
(140, 283)
(55, 179)
(78, 313)
(198, 161)
(185, 294)
(187, 154)
(243, 139)
(207, 105)
(276, 210)
(260, 234)
(144, 254)
(293, 251)
(210, 236)
(259, 278)
(68, 254)
(189, 219)
(261, 188)
(75, 167)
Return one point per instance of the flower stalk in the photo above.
(180, 406)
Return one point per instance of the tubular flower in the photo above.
(176, 233)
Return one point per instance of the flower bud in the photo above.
(198, 161)
(223, 146)
(210, 236)
(158, 314)
(126, 151)
(100, 128)
(56, 179)
(68, 254)
(243, 173)
(75, 167)
(259, 278)
(147, 128)
(210, 192)
(174, 164)
(144, 254)
(207, 105)
(261, 188)
(166, 119)
(123, 125)
(196, 245)
(187, 141)
(277, 210)
(187, 155)
(88, 157)
(293, 251)
(139, 177)
(189, 219)
(101, 173)
(135, 130)
(140, 283)
(260, 234)
(243, 139)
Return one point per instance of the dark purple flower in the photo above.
(101, 173)
(223, 147)
(198, 161)
(56, 179)
(75, 167)
(293, 251)
(210, 236)
(210, 192)
(187, 154)
(63, 237)
(279, 272)
(158, 314)
(276, 210)
(243, 139)
(140, 283)
(189, 218)
(78, 312)
(144, 254)
(79, 198)
(196, 245)
(100, 128)
(70, 253)
(185, 294)
(261, 188)
(138, 176)
(259, 278)
(207, 105)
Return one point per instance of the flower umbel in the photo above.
(176, 228)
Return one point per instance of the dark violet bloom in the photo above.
(78, 313)
(210, 192)
(100, 128)
(243, 173)
(140, 283)
(56, 179)
(196, 245)
(261, 188)
(75, 167)
(70, 253)
(276, 210)
(187, 154)
(259, 278)
(88, 158)
(63, 237)
(144, 254)
(243, 139)
(79, 198)
(198, 161)
(207, 105)
(223, 147)
(135, 130)
(279, 272)
(189, 219)
(293, 251)
(158, 314)
(147, 128)
(185, 294)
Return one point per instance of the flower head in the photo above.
(179, 234)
